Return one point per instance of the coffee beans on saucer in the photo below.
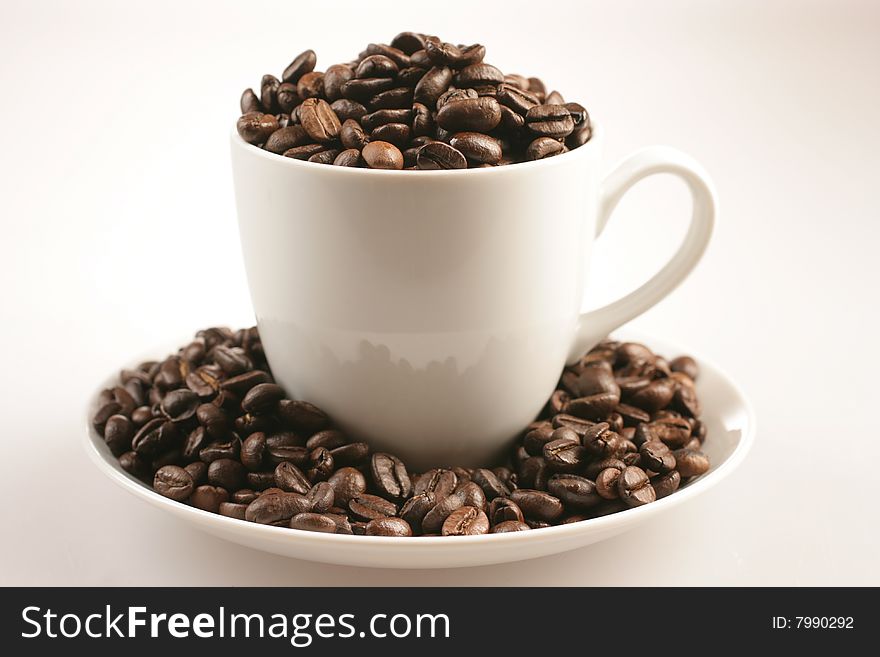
(208, 427)
(417, 103)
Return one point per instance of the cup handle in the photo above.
(594, 325)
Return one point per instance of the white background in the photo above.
(118, 235)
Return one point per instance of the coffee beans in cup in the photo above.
(416, 103)
(208, 427)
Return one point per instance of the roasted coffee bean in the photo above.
(465, 521)
(351, 454)
(134, 465)
(675, 432)
(438, 155)
(320, 464)
(313, 522)
(472, 495)
(573, 490)
(363, 89)
(470, 115)
(452, 95)
(600, 440)
(564, 452)
(276, 508)
(232, 360)
(330, 438)
(209, 498)
(634, 487)
(287, 97)
(228, 449)
(687, 365)
(394, 133)
(578, 425)
(388, 527)
(268, 92)
(432, 85)
(233, 510)
(369, 507)
(490, 483)
(352, 135)
(348, 109)
(262, 398)
(596, 380)
(390, 476)
(502, 509)
(511, 122)
(606, 483)
(302, 64)
(334, 77)
(319, 120)
(685, 398)
(515, 98)
(301, 416)
(244, 496)
(214, 420)
(139, 417)
(554, 98)
(476, 75)
(439, 481)
(533, 473)
(397, 56)
(253, 451)
(666, 484)
(416, 507)
(310, 85)
(381, 117)
(376, 66)
(408, 42)
(446, 54)
(227, 473)
(433, 521)
(535, 439)
(347, 483)
(284, 139)
(250, 102)
(396, 98)
(196, 440)
(255, 127)
(477, 147)
(261, 480)
(173, 482)
(655, 455)
(382, 155)
(631, 415)
(350, 157)
(118, 432)
(544, 147)
(510, 526)
(321, 497)
(155, 437)
(290, 478)
(410, 76)
(691, 462)
(654, 396)
(549, 120)
(537, 505)
(536, 86)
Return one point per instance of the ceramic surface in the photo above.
(731, 426)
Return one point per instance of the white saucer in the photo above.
(727, 414)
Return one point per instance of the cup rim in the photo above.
(555, 161)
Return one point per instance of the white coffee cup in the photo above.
(430, 313)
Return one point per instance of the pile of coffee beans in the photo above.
(417, 103)
(208, 427)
